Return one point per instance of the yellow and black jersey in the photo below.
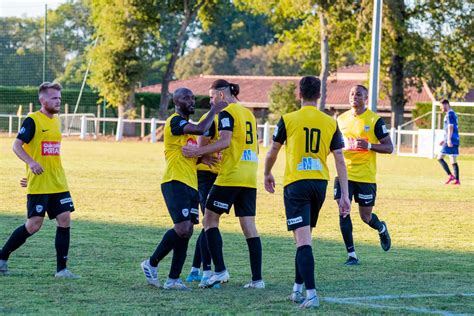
(361, 164)
(213, 136)
(42, 137)
(240, 160)
(310, 136)
(178, 167)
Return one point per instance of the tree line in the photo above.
(142, 42)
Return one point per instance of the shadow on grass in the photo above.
(108, 258)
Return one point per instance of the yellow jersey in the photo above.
(361, 164)
(213, 136)
(310, 136)
(240, 160)
(178, 167)
(42, 137)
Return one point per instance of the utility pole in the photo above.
(45, 40)
(375, 55)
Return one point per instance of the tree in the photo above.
(283, 99)
(208, 60)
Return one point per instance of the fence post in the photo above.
(31, 108)
(19, 123)
(10, 125)
(399, 139)
(153, 131)
(66, 119)
(266, 132)
(97, 123)
(119, 134)
(393, 135)
(142, 133)
(83, 127)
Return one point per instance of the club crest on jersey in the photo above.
(366, 128)
(50, 148)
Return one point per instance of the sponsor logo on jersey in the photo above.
(350, 144)
(194, 211)
(225, 122)
(222, 205)
(39, 208)
(309, 164)
(384, 129)
(66, 200)
(185, 212)
(249, 155)
(295, 220)
(365, 196)
(50, 148)
(191, 142)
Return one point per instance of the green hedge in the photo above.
(12, 97)
(465, 122)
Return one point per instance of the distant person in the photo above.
(236, 183)
(206, 177)
(179, 187)
(365, 134)
(310, 136)
(38, 144)
(450, 143)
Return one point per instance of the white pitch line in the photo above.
(356, 301)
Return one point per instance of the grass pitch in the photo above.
(121, 216)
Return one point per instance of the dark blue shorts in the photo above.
(182, 201)
(53, 204)
(452, 151)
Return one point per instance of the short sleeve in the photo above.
(279, 134)
(177, 125)
(27, 130)
(337, 141)
(226, 121)
(380, 129)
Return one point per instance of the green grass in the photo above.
(121, 217)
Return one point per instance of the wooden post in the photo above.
(97, 123)
(66, 121)
(142, 134)
(31, 108)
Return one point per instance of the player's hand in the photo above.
(441, 143)
(450, 144)
(361, 143)
(209, 160)
(36, 168)
(219, 106)
(190, 151)
(24, 182)
(344, 206)
(269, 182)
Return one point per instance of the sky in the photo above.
(29, 8)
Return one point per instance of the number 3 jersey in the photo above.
(310, 136)
(42, 137)
(240, 160)
(361, 163)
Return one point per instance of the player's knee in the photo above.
(366, 218)
(33, 226)
(184, 229)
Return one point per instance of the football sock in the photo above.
(197, 254)
(179, 257)
(298, 277)
(214, 242)
(164, 247)
(346, 230)
(305, 259)
(255, 252)
(375, 223)
(298, 287)
(205, 255)
(17, 238)
(445, 166)
(456, 170)
(63, 236)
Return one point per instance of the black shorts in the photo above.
(182, 201)
(303, 200)
(221, 199)
(53, 204)
(364, 193)
(205, 181)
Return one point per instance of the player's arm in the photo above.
(385, 145)
(223, 143)
(279, 138)
(336, 146)
(26, 134)
(203, 140)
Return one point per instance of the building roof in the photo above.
(255, 90)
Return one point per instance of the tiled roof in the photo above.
(255, 90)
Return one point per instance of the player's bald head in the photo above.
(180, 93)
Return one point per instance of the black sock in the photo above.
(179, 256)
(197, 253)
(445, 166)
(214, 242)
(163, 249)
(205, 254)
(346, 230)
(17, 238)
(456, 170)
(375, 223)
(63, 236)
(255, 253)
(305, 259)
(298, 277)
